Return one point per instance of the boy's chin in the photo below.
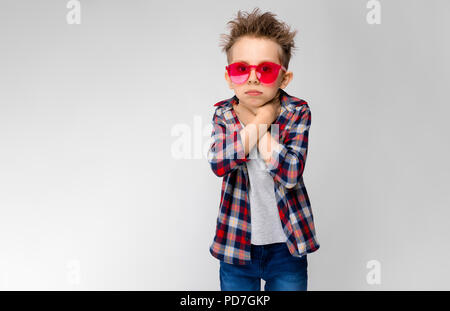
(255, 102)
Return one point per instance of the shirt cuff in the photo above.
(276, 159)
(240, 149)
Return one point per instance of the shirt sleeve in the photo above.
(227, 151)
(288, 160)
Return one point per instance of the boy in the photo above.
(265, 225)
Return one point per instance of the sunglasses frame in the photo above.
(258, 73)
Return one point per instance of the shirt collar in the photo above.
(288, 108)
(288, 104)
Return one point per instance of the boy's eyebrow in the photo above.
(265, 60)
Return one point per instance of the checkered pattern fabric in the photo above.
(226, 157)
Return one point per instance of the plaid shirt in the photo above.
(232, 242)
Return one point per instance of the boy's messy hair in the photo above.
(260, 25)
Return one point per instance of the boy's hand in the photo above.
(244, 114)
(270, 110)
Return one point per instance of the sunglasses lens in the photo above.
(238, 72)
(268, 72)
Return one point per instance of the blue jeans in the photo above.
(271, 262)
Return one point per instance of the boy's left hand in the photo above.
(244, 114)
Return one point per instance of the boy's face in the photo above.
(254, 51)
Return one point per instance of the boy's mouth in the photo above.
(253, 92)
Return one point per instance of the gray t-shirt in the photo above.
(265, 221)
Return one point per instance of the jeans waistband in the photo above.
(268, 246)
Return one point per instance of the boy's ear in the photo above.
(227, 78)
(286, 79)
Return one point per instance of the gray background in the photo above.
(87, 113)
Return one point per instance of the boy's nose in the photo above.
(253, 76)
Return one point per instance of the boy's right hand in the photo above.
(244, 114)
(270, 110)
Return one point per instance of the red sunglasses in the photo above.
(267, 72)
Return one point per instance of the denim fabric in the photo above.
(271, 262)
